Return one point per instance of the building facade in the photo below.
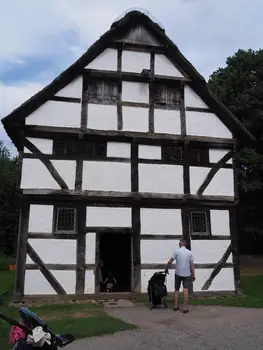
(121, 155)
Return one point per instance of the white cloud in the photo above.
(205, 31)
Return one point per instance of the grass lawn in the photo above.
(252, 287)
(81, 320)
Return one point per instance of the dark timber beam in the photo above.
(101, 229)
(119, 101)
(61, 267)
(213, 172)
(65, 99)
(221, 263)
(45, 235)
(125, 136)
(97, 262)
(136, 248)
(46, 273)
(48, 164)
(21, 249)
(81, 249)
(235, 252)
(160, 267)
(130, 76)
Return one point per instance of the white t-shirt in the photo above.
(183, 258)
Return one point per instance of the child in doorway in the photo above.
(110, 282)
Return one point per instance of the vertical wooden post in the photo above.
(22, 249)
(81, 249)
(97, 262)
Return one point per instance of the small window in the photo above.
(166, 96)
(199, 222)
(102, 90)
(62, 147)
(65, 219)
(198, 156)
(172, 153)
(94, 149)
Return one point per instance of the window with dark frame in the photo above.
(172, 153)
(92, 149)
(166, 96)
(198, 156)
(199, 223)
(102, 91)
(65, 220)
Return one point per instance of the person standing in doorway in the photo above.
(184, 273)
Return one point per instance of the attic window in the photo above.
(89, 149)
(102, 91)
(172, 153)
(166, 96)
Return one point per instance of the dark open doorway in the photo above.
(115, 252)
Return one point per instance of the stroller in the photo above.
(157, 290)
(33, 333)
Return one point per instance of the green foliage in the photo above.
(8, 202)
(240, 87)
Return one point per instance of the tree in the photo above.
(8, 202)
(240, 87)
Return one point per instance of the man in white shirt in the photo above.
(184, 272)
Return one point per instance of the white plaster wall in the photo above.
(67, 279)
(147, 274)
(216, 154)
(163, 66)
(108, 216)
(102, 117)
(90, 247)
(40, 218)
(222, 183)
(107, 60)
(35, 283)
(209, 251)
(161, 178)
(36, 175)
(150, 152)
(135, 119)
(224, 281)
(157, 251)
(56, 113)
(135, 62)
(54, 251)
(44, 145)
(167, 121)
(220, 222)
(106, 176)
(161, 221)
(73, 89)
(135, 92)
(192, 99)
(90, 282)
(205, 124)
(118, 149)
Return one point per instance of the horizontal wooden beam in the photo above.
(62, 235)
(65, 99)
(197, 109)
(126, 198)
(197, 266)
(131, 76)
(119, 44)
(177, 237)
(125, 136)
(100, 229)
(60, 267)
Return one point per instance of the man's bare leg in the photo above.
(186, 297)
(176, 298)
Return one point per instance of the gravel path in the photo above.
(205, 327)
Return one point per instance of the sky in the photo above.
(40, 39)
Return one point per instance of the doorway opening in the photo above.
(115, 252)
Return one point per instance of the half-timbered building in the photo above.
(121, 155)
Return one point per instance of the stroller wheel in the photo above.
(150, 305)
(165, 304)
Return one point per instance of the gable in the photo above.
(134, 34)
